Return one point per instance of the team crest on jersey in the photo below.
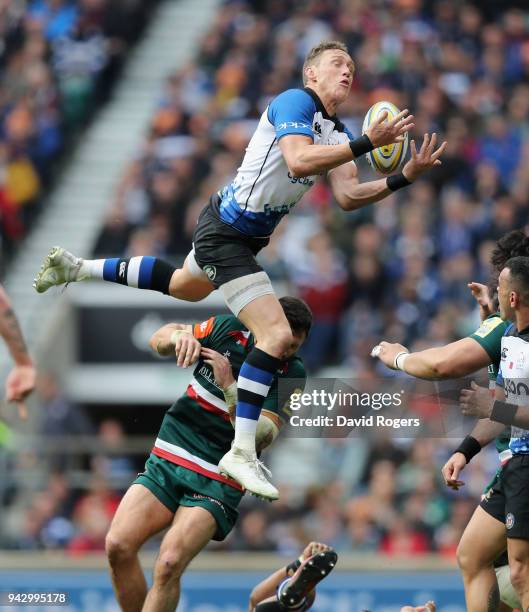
(211, 272)
(509, 520)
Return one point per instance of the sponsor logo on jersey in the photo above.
(293, 124)
(202, 330)
(303, 180)
(487, 327)
(512, 387)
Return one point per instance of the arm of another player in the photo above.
(476, 402)
(453, 360)
(351, 194)
(177, 339)
(484, 432)
(21, 380)
(267, 588)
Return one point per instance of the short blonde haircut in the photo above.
(315, 52)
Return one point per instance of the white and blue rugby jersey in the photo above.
(513, 376)
(264, 190)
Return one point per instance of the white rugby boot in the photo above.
(244, 467)
(59, 267)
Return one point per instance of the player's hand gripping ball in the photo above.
(385, 159)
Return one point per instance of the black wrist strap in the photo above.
(292, 567)
(397, 181)
(469, 447)
(502, 412)
(361, 146)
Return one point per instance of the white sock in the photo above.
(91, 269)
(245, 434)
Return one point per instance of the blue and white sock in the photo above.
(255, 378)
(143, 272)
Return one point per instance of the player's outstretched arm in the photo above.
(351, 194)
(484, 432)
(304, 158)
(21, 380)
(453, 360)
(177, 339)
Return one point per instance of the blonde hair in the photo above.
(315, 52)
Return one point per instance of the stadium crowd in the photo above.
(58, 59)
(396, 270)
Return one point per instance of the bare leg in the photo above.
(265, 318)
(475, 555)
(192, 529)
(140, 515)
(186, 286)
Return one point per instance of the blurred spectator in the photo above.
(59, 60)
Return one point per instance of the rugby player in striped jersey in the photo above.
(298, 138)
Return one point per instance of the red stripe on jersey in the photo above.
(194, 467)
(205, 404)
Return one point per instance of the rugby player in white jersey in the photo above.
(298, 138)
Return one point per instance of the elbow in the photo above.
(297, 169)
(346, 203)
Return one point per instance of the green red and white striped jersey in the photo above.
(196, 431)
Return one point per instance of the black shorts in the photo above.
(508, 500)
(223, 252)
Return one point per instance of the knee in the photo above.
(170, 565)
(119, 549)
(468, 562)
(278, 338)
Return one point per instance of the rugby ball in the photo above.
(388, 158)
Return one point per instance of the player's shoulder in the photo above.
(493, 324)
(228, 322)
(292, 99)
